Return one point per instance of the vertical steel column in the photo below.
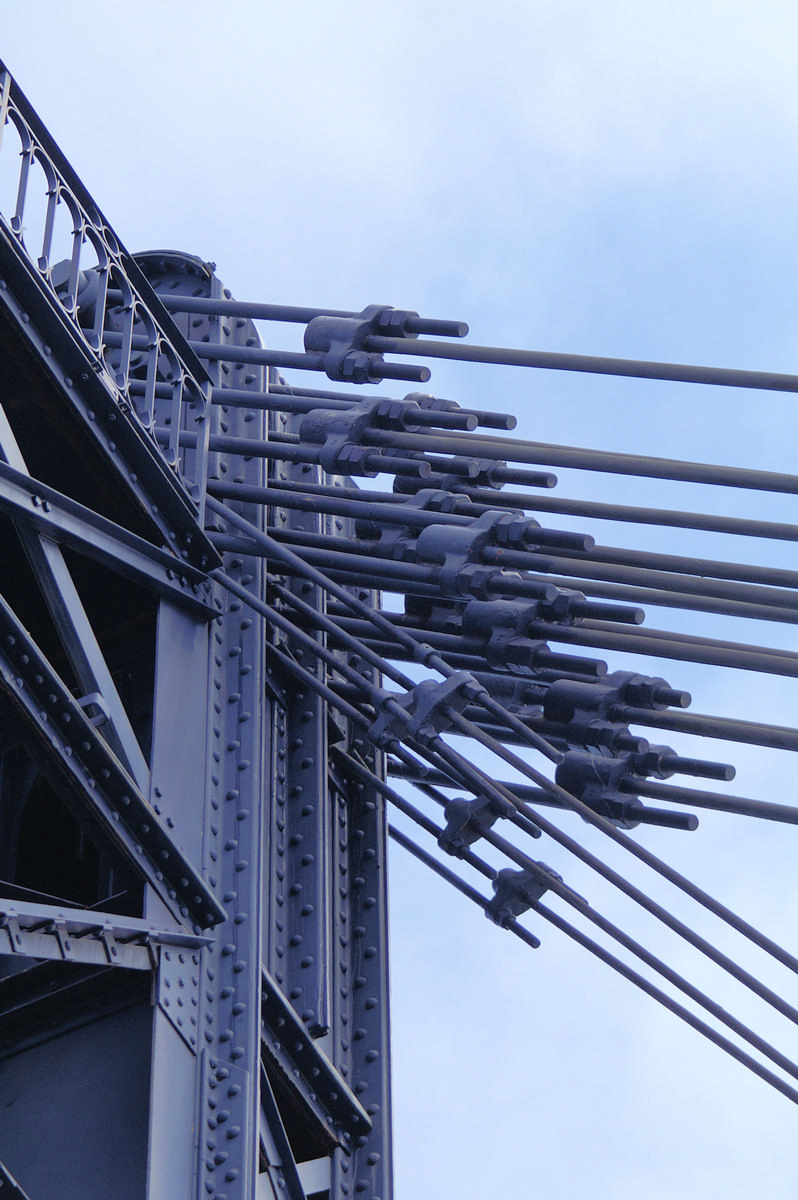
(179, 748)
(301, 877)
(235, 786)
(362, 1018)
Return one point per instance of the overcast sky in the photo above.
(612, 178)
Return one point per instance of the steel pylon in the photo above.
(209, 710)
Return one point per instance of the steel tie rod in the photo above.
(422, 653)
(729, 729)
(223, 352)
(703, 591)
(584, 458)
(428, 657)
(774, 737)
(586, 363)
(587, 911)
(305, 401)
(485, 419)
(630, 514)
(658, 643)
(716, 801)
(481, 784)
(528, 819)
(655, 643)
(224, 306)
(394, 509)
(658, 865)
(628, 973)
(395, 575)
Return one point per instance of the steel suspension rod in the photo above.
(587, 363)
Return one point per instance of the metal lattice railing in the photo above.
(476, 591)
(95, 284)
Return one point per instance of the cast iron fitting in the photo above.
(515, 692)
(505, 622)
(525, 533)
(661, 762)
(432, 403)
(565, 608)
(596, 781)
(338, 457)
(654, 762)
(341, 341)
(453, 546)
(428, 612)
(603, 736)
(426, 710)
(391, 322)
(516, 891)
(643, 691)
(389, 541)
(570, 699)
(469, 820)
(343, 437)
(435, 499)
(349, 424)
(513, 616)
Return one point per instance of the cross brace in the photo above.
(70, 742)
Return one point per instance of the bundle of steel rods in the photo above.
(431, 609)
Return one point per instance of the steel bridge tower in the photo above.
(207, 710)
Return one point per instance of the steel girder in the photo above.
(195, 735)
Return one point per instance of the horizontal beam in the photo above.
(44, 931)
(71, 524)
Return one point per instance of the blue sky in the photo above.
(604, 178)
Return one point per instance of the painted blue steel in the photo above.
(70, 524)
(95, 777)
(178, 784)
(40, 931)
(75, 630)
(9, 1188)
(232, 777)
(338, 836)
(302, 905)
(288, 1042)
(93, 247)
(50, 1135)
(260, 1048)
(85, 389)
(275, 1146)
(409, 322)
(591, 364)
